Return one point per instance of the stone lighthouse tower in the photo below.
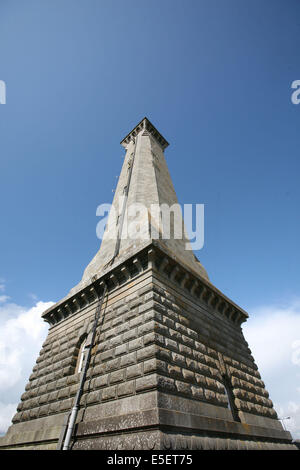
(145, 352)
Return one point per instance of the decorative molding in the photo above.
(138, 265)
(148, 129)
(151, 258)
(89, 294)
(125, 272)
(200, 288)
(163, 264)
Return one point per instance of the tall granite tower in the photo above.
(169, 366)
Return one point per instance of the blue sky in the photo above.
(213, 76)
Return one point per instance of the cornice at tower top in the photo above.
(146, 125)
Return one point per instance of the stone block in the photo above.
(134, 371)
(171, 344)
(101, 381)
(135, 344)
(147, 382)
(113, 365)
(174, 371)
(109, 393)
(129, 335)
(126, 388)
(188, 375)
(197, 392)
(179, 359)
(150, 366)
(166, 384)
(128, 359)
(183, 388)
(120, 350)
(116, 376)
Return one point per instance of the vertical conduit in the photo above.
(69, 424)
(117, 247)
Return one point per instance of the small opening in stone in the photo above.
(81, 355)
(230, 398)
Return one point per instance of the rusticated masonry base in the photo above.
(174, 423)
(154, 420)
(170, 368)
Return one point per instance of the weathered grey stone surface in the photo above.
(158, 362)
(165, 340)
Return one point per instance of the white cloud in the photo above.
(7, 410)
(273, 334)
(22, 332)
(296, 352)
(2, 284)
(3, 298)
(291, 411)
(33, 296)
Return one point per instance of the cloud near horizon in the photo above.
(22, 332)
(273, 335)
